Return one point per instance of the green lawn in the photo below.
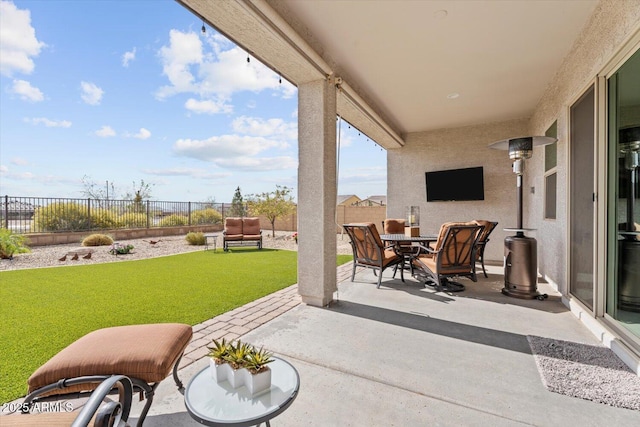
(43, 310)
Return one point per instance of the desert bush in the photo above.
(11, 243)
(174, 220)
(133, 220)
(61, 216)
(103, 218)
(97, 240)
(195, 238)
(206, 216)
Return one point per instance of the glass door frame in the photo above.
(629, 48)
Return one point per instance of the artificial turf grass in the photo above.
(46, 309)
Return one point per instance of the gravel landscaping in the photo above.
(50, 256)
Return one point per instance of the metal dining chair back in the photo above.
(369, 251)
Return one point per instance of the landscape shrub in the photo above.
(97, 240)
(174, 220)
(61, 216)
(133, 220)
(206, 216)
(103, 218)
(11, 244)
(195, 238)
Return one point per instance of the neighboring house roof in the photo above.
(381, 200)
(347, 199)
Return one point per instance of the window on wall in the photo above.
(551, 174)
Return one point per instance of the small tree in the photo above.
(273, 205)
(141, 192)
(238, 207)
(93, 190)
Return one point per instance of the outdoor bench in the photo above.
(241, 232)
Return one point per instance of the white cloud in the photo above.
(208, 107)
(142, 134)
(18, 42)
(48, 123)
(3, 170)
(236, 152)
(105, 132)
(265, 127)
(184, 50)
(188, 172)
(91, 94)
(216, 75)
(128, 57)
(26, 92)
(224, 146)
(259, 164)
(18, 161)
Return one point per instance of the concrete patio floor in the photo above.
(405, 355)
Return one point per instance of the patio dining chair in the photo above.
(404, 249)
(483, 239)
(369, 251)
(454, 255)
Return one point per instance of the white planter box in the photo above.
(220, 372)
(255, 383)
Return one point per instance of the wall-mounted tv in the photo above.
(455, 184)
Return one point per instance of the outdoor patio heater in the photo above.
(629, 241)
(520, 251)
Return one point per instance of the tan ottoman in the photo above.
(144, 353)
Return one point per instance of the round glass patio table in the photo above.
(218, 404)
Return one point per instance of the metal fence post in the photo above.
(148, 214)
(89, 213)
(6, 212)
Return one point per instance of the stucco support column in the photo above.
(317, 192)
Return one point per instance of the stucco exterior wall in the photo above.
(450, 149)
(613, 22)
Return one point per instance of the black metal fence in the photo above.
(46, 214)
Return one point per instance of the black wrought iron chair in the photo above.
(369, 251)
(403, 249)
(483, 239)
(454, 255)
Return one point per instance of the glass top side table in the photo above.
(218, 404)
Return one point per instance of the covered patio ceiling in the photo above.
(411, 66)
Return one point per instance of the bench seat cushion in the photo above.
(232, 237)
(147, 352)
(252, 237)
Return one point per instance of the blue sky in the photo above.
(130, 90)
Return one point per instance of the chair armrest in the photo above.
(427, 249)
(119, 410)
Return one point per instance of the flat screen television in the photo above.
(455, 184)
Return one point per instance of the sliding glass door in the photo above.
(623, 207)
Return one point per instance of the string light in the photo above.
(248, 59)
(204, 30)
(280, 78)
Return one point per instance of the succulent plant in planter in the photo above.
(241, 364)
(218, 351)
(257, 360)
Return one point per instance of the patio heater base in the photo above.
(520, 267)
